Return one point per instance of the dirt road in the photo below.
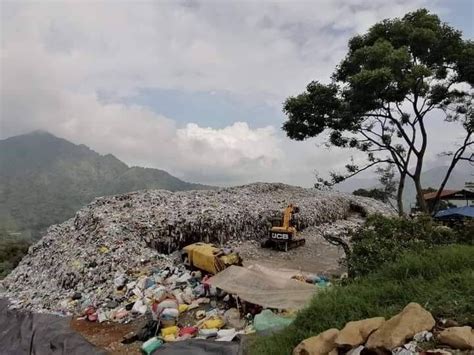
(316, 256)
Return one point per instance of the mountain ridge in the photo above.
(45, 179)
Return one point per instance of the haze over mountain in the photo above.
(45, 179)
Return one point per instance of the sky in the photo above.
(192, 87)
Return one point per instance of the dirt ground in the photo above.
(108, 335)
(317, 256)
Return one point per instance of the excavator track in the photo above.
(291, 244)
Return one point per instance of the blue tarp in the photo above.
(457, 212)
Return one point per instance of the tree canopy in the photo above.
(393, 82)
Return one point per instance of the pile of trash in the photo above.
(123, 234)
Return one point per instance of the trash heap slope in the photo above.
(121, 233)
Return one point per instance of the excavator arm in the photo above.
(285, 236)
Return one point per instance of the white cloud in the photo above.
(57, 57)
(232, 144)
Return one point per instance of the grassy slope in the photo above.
(441, 279)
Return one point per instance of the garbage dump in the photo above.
(119, 260)
(84, 260)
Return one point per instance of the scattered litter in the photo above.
(423, 336)
(213, 323)
(226, 334)
(151, 345)
(267, 320)
(169, 330)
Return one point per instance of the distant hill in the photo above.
(44, 180)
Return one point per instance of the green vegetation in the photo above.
(12, 249)
(384, 239)
(441, 279)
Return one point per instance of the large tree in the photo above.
(395, 80)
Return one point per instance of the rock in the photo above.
(461, 338)
(356, 333)
(321, 344)
(394, 332)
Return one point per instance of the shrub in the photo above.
(11, 252)
(383, 239)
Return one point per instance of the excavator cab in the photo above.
(283, 234)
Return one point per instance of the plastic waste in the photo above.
(120, 281)
(188, 331)
(207, 333)
(199, 290)
(121, 313)
(157, 308)
(200, 314)
(183, 308)
(101, 316)
(226, 334)
(213, 323)
(356, 351)
(169, 313)
(232, 319)
(267, 320)
(139, 307)
(151, 345)
(183, 278)
(169, 330)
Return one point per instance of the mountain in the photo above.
(44, 180)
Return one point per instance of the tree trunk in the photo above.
(419, 193)
(456, 157)
(401, 186)
(441, 187)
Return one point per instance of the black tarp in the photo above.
(199, 347)
(24, 332)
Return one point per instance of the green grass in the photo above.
(440, 279)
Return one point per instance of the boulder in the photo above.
(461, 338)
(394, 332)
(321, 344)
(356, 333)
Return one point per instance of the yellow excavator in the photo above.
(283, 234)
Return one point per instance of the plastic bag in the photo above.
(268, 320)
(213, 323)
